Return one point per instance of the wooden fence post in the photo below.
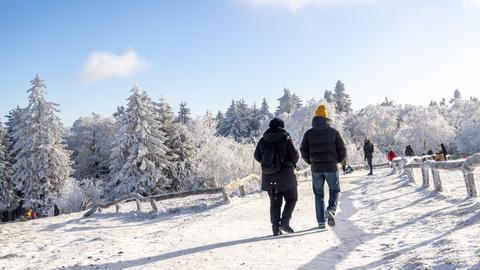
(437, 181)
(470, 183)
(242, 191)
(139, 206)
(225, 195)
(154, 206)
(425, 175)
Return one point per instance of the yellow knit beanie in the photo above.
(321, 111)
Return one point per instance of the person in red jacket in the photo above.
(391, 156)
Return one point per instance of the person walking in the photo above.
(323, 148)
(409, 151)
(278, 157)
(444, 151)
(368, 149)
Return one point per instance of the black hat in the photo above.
(276, 123)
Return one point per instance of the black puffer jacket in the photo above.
(368, 150)
(322, 146)
(284, 180)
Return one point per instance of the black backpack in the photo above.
(271, 161)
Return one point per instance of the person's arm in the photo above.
(304, 149)
(340, 146)
(292, 152)
(258, 152)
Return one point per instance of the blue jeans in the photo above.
(333, 189)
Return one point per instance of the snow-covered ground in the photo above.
(383, 223)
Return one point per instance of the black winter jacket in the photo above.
(284, 180)
(322, 146)
(368, 150)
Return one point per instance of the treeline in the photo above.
(147, 148)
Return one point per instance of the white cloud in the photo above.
(294, 5)
(471, 4)
(103, 65)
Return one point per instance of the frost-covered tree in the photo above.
(179, 144)
(139, 155)
(254, 123)
(424, 129)
(184, 114)
(234, 125)
(7, 194)
(13, 121)
(467, 139)
(328, 96)
(90, 140)
(218, 160)
(342, 101)
(456, 96)
(119, 112)
(443, 102)
(288, 103)
(376, 122)
(42, 163)
(264, 111)
(387, 102)
(219, 118)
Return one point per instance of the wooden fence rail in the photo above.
(466, 166)
(235, 185)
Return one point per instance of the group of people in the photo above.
(322, 148)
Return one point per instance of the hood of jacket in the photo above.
(275, 135)
(320, 123)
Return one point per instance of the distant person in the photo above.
(444, 151)
(409, 151)
(278, 157)
(391, 155)
(368, 149)
(430, 152)
(323, 148)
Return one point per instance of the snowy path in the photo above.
(383, 223)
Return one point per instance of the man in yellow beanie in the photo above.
(323, 148)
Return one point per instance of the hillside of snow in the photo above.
(383, 223)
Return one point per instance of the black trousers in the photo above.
(276, 201)
(369, 161)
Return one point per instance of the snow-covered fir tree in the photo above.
(288, 103)
(42, 163)
(139, 155)
(7, 194)
(178, 142)
(264, 111)
(343, 104)
(219, 118)
(184, 114)
(328, 96)
(254, 123)
(13, 121)
(234, 125)
(456, 96)
(90, 140)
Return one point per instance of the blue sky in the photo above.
(207, 52)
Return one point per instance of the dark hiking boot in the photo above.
(286, 228)
(276, 230)
(322, 226)
(370, 173)
(331, 218)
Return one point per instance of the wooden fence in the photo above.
(225, 190)
(427, 165)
